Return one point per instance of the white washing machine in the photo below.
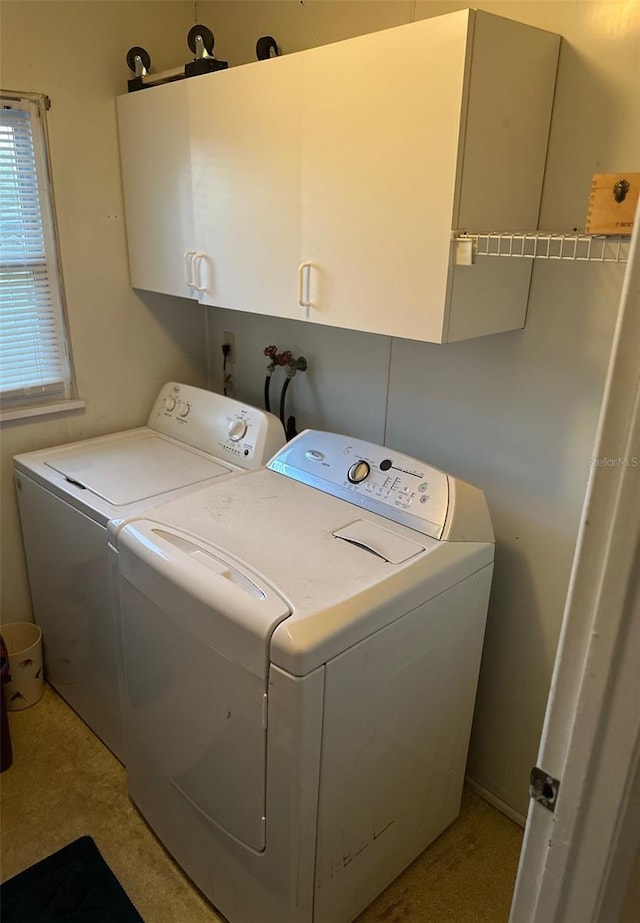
(67, 495)
(302, 647)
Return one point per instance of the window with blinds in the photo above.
(35, 358)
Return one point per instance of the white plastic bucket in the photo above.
(24, 647)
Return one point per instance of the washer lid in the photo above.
(134, 470)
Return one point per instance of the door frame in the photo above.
(576, 861)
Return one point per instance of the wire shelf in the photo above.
(583, 248)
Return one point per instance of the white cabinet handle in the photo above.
(196, 272)
(304, 285)
(188, 267)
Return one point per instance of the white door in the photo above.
(245, 154)
(381, 129)
(156, 176)
(577, 860)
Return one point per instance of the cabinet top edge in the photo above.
(466, 18)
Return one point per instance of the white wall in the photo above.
(515, 413)
(125, 344)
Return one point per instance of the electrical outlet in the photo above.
(229, 339)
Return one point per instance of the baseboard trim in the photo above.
(496, 802)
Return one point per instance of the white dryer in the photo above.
(302, 647)
(67, 495)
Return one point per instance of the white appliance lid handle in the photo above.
(199, 569)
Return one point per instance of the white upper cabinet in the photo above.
(381, 149)
(326, 184)
(244, 130)
(410, 133)
(156, 175)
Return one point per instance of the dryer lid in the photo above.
(212, 594)
(135, 470)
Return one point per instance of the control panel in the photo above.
(226, 428)
(370, 476)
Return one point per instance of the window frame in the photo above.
(59, 396)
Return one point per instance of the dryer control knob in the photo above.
(237, 430)
(358, 472)
(170, 403)
(185, 409)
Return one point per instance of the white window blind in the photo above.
(35, 362)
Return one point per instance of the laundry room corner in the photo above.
(125, 343)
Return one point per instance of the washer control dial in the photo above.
(359, 471)
(237, 430)
(184, 409)
(170, 403)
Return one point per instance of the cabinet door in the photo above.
(245, 155)
(156, 175)
(380, 150)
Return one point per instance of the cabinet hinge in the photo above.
(265, 710)
(543, 788)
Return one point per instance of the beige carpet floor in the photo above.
(64, 783)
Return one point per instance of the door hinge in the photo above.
(543, 788)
